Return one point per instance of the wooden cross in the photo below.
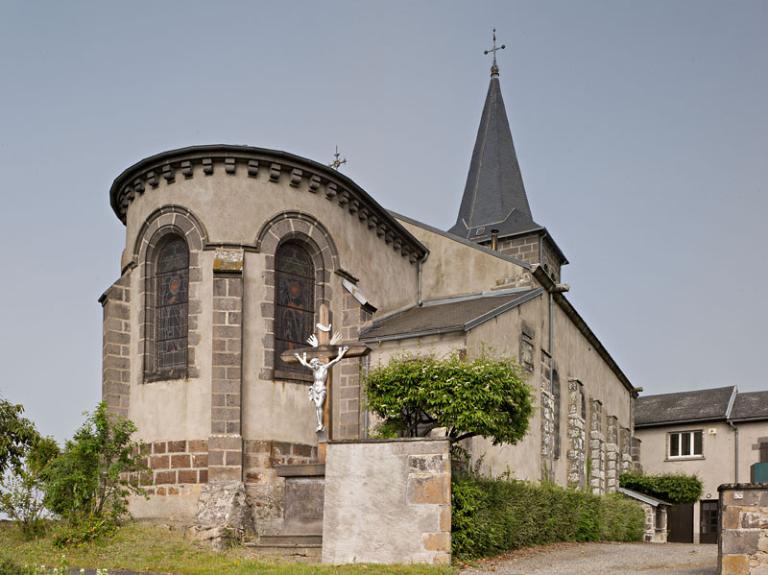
(494, 67)
(325, 351)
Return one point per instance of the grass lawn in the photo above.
(158, 549)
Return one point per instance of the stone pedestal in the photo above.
(223, 514)
(304, 497)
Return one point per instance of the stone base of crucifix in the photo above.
(325, 351)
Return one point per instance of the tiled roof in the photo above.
(445, 316)
(683, 407)
(751, 405)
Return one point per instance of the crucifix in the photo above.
(494, 67)
(325, 351)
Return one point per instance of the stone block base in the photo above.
(223, 514)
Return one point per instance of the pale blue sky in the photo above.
(641, 129)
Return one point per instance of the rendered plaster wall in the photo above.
(233, 209)
(178, 409)
(743, 541)
(714, 466)
(388, 502)
(501, 337)
(574, 358)
(751, 435)
(445, 274)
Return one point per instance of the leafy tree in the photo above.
(88, 483)
(17, 434)
(21, 489)
(416, 394)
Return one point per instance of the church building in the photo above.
(232, 251)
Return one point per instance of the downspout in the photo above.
(733, 426)
(735, 450)
(420, 279)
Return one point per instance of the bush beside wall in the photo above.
(669, 487)
(491, 516)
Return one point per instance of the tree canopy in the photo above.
(416, 394)
(17, 435)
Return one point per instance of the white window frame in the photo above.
(688, 436)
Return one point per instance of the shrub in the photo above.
(416, 394)
(87, 484)
(673, 488)
(21, 494)
(492, 516)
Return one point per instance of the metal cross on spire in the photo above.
(338, 160)
(494, 67)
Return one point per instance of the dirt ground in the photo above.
(603, 559)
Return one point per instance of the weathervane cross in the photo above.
(338, 160)
(494, 67)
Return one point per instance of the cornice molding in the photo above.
(274, 166)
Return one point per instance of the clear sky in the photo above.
(641, 130)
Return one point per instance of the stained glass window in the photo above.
(171, 299)
(294, 302)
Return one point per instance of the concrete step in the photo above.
(286, 541)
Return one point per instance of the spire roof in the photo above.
(494, 195)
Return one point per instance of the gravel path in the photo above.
(603, 559)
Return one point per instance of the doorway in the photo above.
(680, 521)
(710, 509)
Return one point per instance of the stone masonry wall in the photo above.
(265, 488)
(387, 501)
(743, 541)
(225, 443)
(525, 248)
(612, 455)
(347, 394)
(116, 367)
(597, 449)
(174, 463)
(576, 436)
(547, 420)
(625, 446)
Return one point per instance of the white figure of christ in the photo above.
(318, 390)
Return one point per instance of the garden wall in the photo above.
(387, 501)
(743, 542)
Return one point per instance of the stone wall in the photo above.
(576, 436)
(612, 455)
(173, 463)
(547, 420)
(387, 501)
(116, 366)
(596, 449)
(743, 542)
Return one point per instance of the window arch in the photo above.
(294, 304)
(170, 308)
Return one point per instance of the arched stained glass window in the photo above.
(294, 304)
(171, 308)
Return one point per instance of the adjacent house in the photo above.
(718, 434)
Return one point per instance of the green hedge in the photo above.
(491, 516)
(673, 488)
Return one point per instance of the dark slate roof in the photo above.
(751, 405)
(494, 195)
(445, 316)
(683, 407)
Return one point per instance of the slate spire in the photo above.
(494, 195)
